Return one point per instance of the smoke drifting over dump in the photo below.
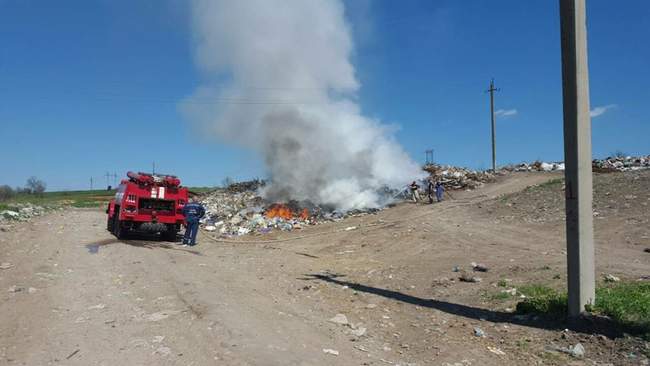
(278, 79)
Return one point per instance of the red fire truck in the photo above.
(148, 203)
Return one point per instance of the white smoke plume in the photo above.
(278, 79)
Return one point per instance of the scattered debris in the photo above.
(14, 289)
(577, 351)
(331, 351)
(466, 277)
(538, 166)
(611, 278)
(496, 351)
(163, 351)
(620, 164)
(340, 319)
(154, 317)
(479, 267)
(458, 178)
(647, 250)
(72, 354)
(21, 212)
(479, 332)
(359, 331)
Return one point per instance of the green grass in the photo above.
(552, 183)
(502, 296)
(627, 304)
(542, 300)
(61, 198)
(523, 344)
(4, 206)
(94, 198)
(548, 185)
(502, 283)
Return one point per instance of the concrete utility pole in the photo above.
(491, 90)
(577, 157)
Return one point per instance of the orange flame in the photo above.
(279, 210)
(283, 211)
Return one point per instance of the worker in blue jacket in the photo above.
(440, 189)
(193, 212)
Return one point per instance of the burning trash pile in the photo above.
(240, 210)
(620, 164)
(458, 178)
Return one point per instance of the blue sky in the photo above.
(89, 87)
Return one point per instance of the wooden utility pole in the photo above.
(577, 157)
(91, 183)
(491, 90)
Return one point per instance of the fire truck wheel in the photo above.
(109, 224)
(118, 229)
(170, 233)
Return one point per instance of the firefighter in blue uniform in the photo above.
(193, 212)
(440, 189)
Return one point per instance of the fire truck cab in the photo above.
(147, 203)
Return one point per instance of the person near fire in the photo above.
(439, 190)
(430, 189)
(193, 212)
(415, 195)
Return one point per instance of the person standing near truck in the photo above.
(193, 212)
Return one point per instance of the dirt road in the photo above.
(74, 295)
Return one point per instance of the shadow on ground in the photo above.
(140, 241)
(587, 325)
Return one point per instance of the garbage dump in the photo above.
(458, 178)
(607, 165)
(239, 210)
(537, 166)
(620, 164)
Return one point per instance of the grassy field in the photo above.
(94, 198)
(627, 303)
